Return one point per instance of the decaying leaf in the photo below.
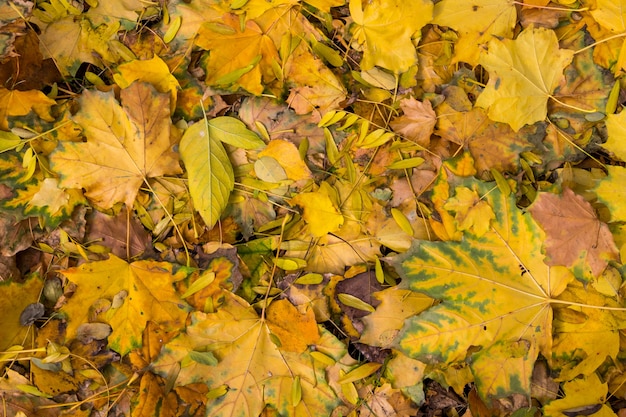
(575, 236)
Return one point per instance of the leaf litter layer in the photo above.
(318, 207)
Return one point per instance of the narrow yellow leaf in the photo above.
(402, 221)
(352, 301)
(290, 264)
(296, 391)
(378, 269)
(407, 163)
(204, 281)
(309, 279)
(325, 359)
(173, 29)
(361, 372)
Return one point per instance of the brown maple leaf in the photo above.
(574, 235)
(418, 121)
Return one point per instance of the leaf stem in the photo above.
(619, 35)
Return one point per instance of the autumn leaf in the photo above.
(313, 87)
(71, 40)
(239, 56)
(610, 15)
(575, 237)
(495, 293)
(319, 212)
(389, 22)
(287, 155)
(15, 298)
(417, 122)
(477, 22)
(523, 75)
(251, 363)
(211, 178)
(125, 145)
(616, 129)
(586, 395)
(46, 199)
(492, 145)
(133, 294)
(20, 103)
(583, 326)
(153, 71)
(612, 193)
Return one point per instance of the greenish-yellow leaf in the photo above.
(211, 177)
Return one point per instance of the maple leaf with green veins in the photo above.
(497, 299)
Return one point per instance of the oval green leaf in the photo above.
(211, 177)
(234, 132)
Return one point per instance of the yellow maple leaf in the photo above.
(387, 30)
(611, 15)
(125, 145)
(523, 73)
(70, 43)
(139, 292)
(288, 157)
(313, 87)
(235, 352)
(319, 212)
(476, 23)
(154, 71)
(418, 121)
(471, 212)
(295, 331)
(238, 57)
(15, 298)
(20, 103)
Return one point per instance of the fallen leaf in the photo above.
(16, 297)
(381, 23)
(417, 123)
(295, 331)
(211, 177)
(147, 295)
(583, 396)
(495, 290)
(523, 73)
(125, 145)
(287, 155)
(319, 212)
(255, 370)
(476, 22)
(313, 87)
(20, 103)
(575, 237)
(152, 71)
(239, 56)
(611, 192)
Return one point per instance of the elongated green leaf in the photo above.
(234, 132)
(211, 177)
